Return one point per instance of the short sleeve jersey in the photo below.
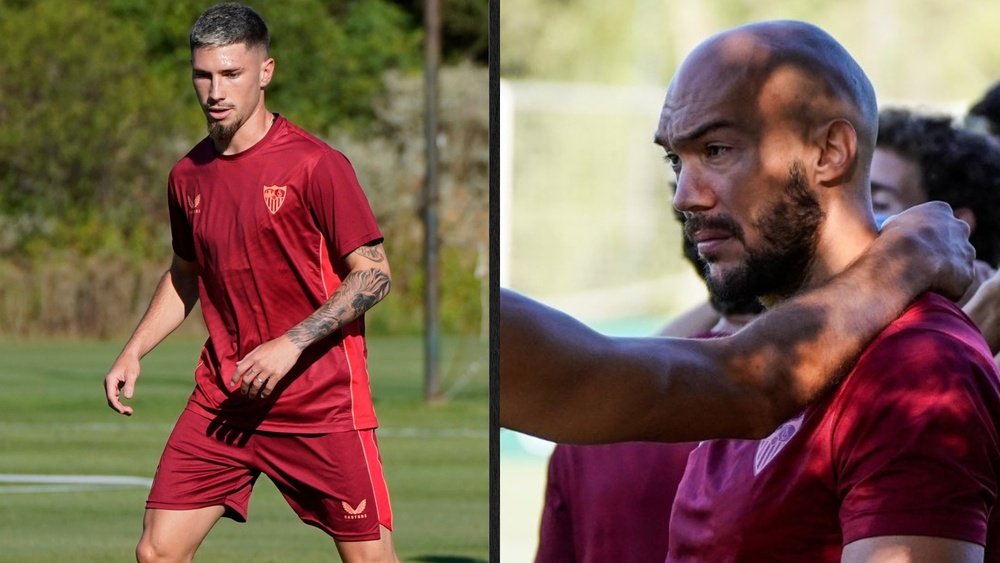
(907, 444)
(269, 228)
(610, 502)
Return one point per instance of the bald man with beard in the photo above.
(770, 128)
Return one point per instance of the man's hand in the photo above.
(984, 310)
(261, 370)
(121, 380)
(934, 245)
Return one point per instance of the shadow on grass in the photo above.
(447, 559)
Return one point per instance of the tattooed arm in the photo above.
(367, 282)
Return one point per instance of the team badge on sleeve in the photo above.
(274, 196)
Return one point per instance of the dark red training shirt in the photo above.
(268, 227)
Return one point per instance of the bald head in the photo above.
(770, 128)
(783, 69)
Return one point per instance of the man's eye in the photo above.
(673, 160)
(715, 150)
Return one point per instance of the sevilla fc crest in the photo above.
(274, 196)
(768, 448)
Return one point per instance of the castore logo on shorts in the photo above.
(355, 513)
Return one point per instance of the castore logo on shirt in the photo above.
(193, 203)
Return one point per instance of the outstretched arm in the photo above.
(173, 299)
(365, 285)
(563, 381)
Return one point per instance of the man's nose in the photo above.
(693, 192)
(215, 92)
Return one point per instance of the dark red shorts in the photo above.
(333, 481)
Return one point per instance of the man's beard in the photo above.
(222, 133)
(751, 306)
(789, 231)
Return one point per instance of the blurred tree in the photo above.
(391, 167)
(329, 55)
(919, 51)
(464, 28)
(82, 120)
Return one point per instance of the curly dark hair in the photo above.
(988, 108)
(959, 166)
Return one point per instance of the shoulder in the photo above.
(932, 325)
(199, 155)
(931, 353)
(315, 153)
(303, 140)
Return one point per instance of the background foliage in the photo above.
(930, 51)
(96, 106)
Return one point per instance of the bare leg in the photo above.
(174, 535)
(374, 551)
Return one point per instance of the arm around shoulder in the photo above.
(563, 381)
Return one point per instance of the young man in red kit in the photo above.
(275, 236)
(770, 129)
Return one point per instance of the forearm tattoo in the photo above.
(360, 291)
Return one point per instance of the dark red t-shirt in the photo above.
(907, 444)
(269, 228)
(610, 502)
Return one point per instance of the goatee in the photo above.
(221, 133)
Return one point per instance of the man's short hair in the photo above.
(957, 166)
(229, 24)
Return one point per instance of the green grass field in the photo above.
(54, 422)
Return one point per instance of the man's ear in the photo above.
(837, 141)
(266, 72)
(967, 215)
